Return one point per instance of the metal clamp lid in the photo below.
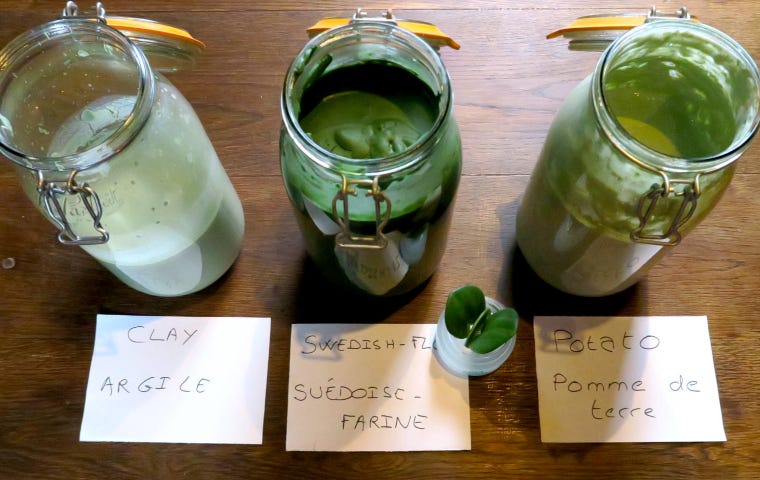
(167, 47)
(596, 32)
(427, 31)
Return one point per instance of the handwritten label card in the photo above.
(177, 379)
(373, 388)
(626, 379)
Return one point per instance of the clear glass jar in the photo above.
(115, 156)
(638, 155)
(458, 359)
(371, 155)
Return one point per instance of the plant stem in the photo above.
(475, 327)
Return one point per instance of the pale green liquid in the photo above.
(678, 106)
(679, 96)
(175, 221)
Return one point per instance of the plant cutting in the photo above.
(469, 318)
(475, 333)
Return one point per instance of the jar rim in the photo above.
(35, 39)
(346, 34)
(648, 157)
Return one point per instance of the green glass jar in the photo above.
(638, 155)
(112, 154)
(371, 155)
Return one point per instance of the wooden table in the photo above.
(509, 82)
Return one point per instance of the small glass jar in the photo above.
(638, 155)
(371, 155)
(458, 359)
(115, 156)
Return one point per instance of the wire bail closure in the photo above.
(346, 238)
(646, 210)
(596, 32)
(385, 16)
(654, 14)
(72, 10)
(425, 30)
(50, 191)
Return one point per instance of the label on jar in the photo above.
(76, 210)
(323, 222)
(376, 271)
(606, 264)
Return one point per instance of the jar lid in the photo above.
(167, 47)
(427, 31)
(596, 32)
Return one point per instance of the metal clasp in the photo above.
(49, 191)
(654, 14)
(648, 202)
(385, 16)
(596, 32)
(346, 238)
(72, 10)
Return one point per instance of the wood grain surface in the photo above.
(508, 83)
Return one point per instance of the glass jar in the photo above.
(115, 156)
(371, 155)
(638, 155)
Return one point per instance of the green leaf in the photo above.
(496, 330)
(463, 307)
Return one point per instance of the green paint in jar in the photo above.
(371, 156)
(638, 155)
(368, 110)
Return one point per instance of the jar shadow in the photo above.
(514, 403)
(320, 300)
(531, 296)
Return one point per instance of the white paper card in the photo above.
(626, 379)
(373, 388)
(177, 380)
